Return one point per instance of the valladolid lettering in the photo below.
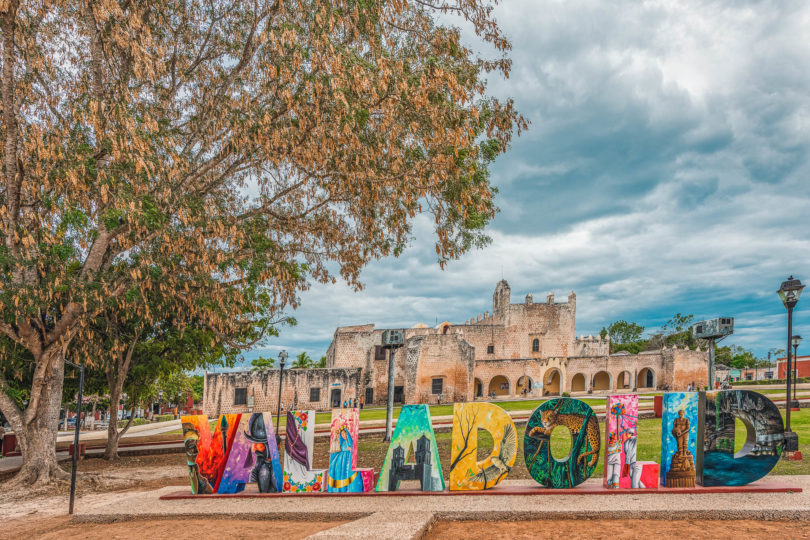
(697, 447)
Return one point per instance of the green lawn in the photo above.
(447, 410)
(372, 449)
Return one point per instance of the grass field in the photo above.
(447, 410)
(372, 449)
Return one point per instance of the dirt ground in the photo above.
(60, 528)
(612, 529)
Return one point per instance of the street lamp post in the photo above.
(282, 358)
(796, 340)
(76, 435)
(789, 292)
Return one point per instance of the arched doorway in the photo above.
(524, 385)
(499, 386)
(624, 380)
(551, 386)
(601, 381)
(646, 378)
(578, 383)
(479, 388)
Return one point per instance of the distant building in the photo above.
(524, 349)
(801, 368)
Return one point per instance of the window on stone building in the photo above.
(240, 396)
(314, 394)
(369, 396)
(535, 345)
(379, 352)
(490, 349)
(437, 386)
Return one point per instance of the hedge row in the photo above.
(136, 422)
(769, 381)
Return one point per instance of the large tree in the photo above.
(220, 148)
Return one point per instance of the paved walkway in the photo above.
(134, 431)
(405, 517)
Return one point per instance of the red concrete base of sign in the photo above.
(758, 487)
(794, 456)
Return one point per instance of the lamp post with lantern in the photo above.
(789, 292)
(282, 358)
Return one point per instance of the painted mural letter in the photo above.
(763, 444)
(622, 468)
(298, 476)
(679, 434)
(343, 475)
(413, 430)
(578, 417)
(466, 473)
(242, 450)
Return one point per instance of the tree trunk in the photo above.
(92, 426)
(113, 436)
(37, 434)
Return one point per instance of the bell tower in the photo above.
(501, 299)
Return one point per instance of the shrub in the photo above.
(136, 422)
(566, 394)
(165, 417)
(768, 381)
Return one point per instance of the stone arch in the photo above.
(551, 382)
(602, 381)
(578, 383)
(646, 378)
(499, 385)
(478, 388)
(624, 380)
(524, 383)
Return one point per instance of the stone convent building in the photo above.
(526, 349)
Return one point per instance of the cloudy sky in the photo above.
(666, 170)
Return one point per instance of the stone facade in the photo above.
(249, 391)
(529, 346)
(523, 349)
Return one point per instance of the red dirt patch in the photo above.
(62, 529)
(613, 529)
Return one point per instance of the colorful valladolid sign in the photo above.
(697, 447)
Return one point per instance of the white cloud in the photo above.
(666, 170)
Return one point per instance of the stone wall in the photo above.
(262, 389)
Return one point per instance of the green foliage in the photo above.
(302, 361)
(135, 422)
(197, 386)
(322, 362)
(634, 347)
(770, 381)
(735, 356)
(262, 363)
(622, 332)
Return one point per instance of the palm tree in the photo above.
(322, 362)
(302, 361)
